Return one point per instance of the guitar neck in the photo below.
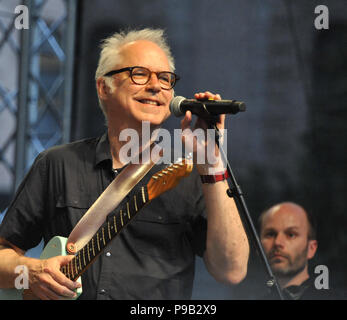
(110, 229)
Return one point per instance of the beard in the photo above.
(289, 266)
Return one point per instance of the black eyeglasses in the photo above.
(142, 75)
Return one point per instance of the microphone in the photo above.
(205, 108)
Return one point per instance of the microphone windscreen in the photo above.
(175, 106)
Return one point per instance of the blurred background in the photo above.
(289, 145)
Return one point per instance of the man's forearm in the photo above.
(9, 260)
(227, 247)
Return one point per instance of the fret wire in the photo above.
(109, 230)
(121, 217)
(93, 247)
(71, 268)
(135, 202)
(103, 236)
(76, 265)
(143, 194)
(84, 257)
(79, 259)
(68, 271)
(97, 240)
(128, 210)
(88, 252)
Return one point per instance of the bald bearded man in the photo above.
(288, 236)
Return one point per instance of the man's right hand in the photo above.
(47, 282)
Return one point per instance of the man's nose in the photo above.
(153, 84)
(279, 240)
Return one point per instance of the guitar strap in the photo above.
(111, 197)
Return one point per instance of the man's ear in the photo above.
(312, 248)
(102, 88)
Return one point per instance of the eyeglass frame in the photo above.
(111, 73)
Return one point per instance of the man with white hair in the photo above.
(153, 257)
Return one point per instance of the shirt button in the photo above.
(108, 254)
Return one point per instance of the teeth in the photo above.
(150, 102)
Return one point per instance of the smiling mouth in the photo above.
(145, 101)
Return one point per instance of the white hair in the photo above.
(110, 47)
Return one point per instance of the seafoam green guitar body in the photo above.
(55, 247)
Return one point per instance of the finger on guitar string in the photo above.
(54, 270)
(46, 288)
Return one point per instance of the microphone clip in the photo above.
(206, 115)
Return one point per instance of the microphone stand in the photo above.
(236, 193)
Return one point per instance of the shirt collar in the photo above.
(295, 292)
(103, 151)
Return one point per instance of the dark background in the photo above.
(290, 144)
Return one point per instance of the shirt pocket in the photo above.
(69, 209)
(158, 235)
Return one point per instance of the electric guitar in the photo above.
(162, 181)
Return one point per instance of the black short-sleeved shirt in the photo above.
(306, 291)
(152, 258)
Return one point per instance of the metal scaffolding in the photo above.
(41, 104)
